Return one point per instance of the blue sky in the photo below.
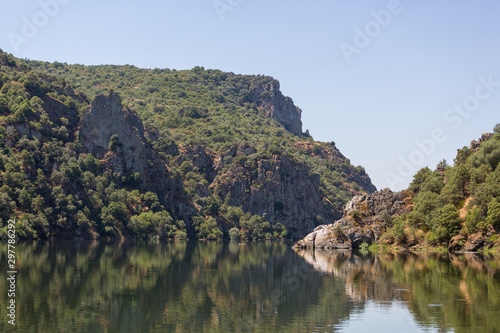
(396, 84)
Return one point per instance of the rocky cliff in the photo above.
(169, 153)
(106, 118)
(365, 218)
(130, 156)
(277, 189)
(268, 97)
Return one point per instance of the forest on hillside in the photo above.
(197, 121)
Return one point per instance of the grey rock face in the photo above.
(106, 118)
(364, 220)
(279, 188)
(269, 98)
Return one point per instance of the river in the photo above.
(99, 286)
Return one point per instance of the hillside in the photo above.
(453, 206)
(119, 151)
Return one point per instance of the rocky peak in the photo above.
(475, 144)
(106, 118)
(268, 97)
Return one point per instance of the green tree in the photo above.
(234, 234)
(461, 177)
(82, 221)
(7, 206)
(442, 165)
(493, 216)
(151, 200)
(433, 183)
(419, 179)
(496, 129)
(25, 199)
(114, 142)
(38, 203)
(398, 229)
(234, 214)
(449, 219)
(164, 225)
(212, 207)
(280, 231)
(92, 164)
(118, 210)
(142, 225)
(474, 220)
(206, 228)
(27, 159)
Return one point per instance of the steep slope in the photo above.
(268, 97)
(115, 135)
(122, 151)
(453, 206)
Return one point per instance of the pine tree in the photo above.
(493, 217)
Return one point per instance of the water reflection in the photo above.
(459, 293)
(195, 286)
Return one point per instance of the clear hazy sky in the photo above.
(396, 84)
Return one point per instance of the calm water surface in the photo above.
(95, 286)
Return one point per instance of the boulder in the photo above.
(328, 237)
(373, 212)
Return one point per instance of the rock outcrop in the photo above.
(467, 243)
(268, 97)
(278, 189)
(365, 218)
(475, 144)
(131, 154)
(107, 118)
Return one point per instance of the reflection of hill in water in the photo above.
(363, 277)
(263, 287)
(453, 291)
(187, 287)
